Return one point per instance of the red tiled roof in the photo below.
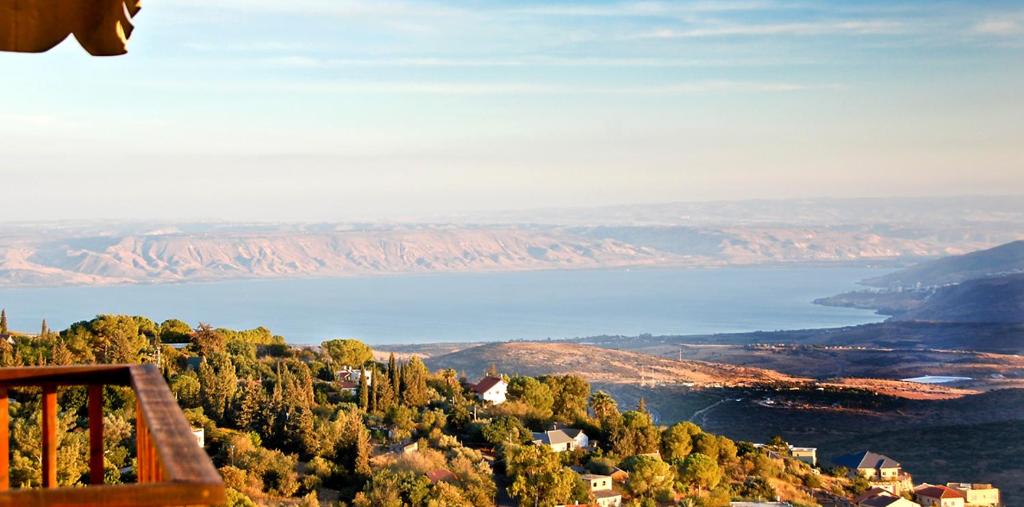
(871, 493)
(486, 384)
(440, 474)
(940, 492)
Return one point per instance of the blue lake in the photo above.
(472, 307)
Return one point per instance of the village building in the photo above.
(871, 493)
(348, 379)
(492, 389)
(880, 470)
(929, 495)
(887, 500)
(200, 434)
(977, 495)
(562, 439)
(601, 487)
(808, 455)
(440, 475)
(619, 475)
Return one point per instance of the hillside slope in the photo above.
(597, 364)
(1000, 260)
(988, 300)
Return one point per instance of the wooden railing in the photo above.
(172, 468)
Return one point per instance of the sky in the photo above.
(336, 110)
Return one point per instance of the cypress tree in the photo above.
(400, 382)
(253, 403)
(641, 406)
(394, 374)
(386, 399)
(44, 331)
(415, 374)
(3, 321)
(61, 355)
(374, 389)
(364, 393)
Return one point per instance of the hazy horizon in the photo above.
(319, 110)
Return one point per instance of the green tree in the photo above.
(251, 406)
(118, 338)
(347, 352)
(175, 331)
(706, 444)
(537, 476)
(386, 398)
(207, 341)
(375, 389)
(186, 389)
(218, 383)
(533, 393)
(569, 397)
(3, 321)
(636, 435)
(61, 355)
(700, 471)
(506, 429)
(414, 378)
(603, 405)
(649, 477)
(361, 444)
(364, 392)
(395, 376)
(677, 440)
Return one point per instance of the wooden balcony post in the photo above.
(140, 444)
(5, 451)
(49, 449)
(95, 434)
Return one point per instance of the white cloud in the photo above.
(1002, 26)
(301, 61)
(519, 88)
(815, 28)
(642, 8)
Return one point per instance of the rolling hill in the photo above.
(986, 300)
(1001, 260)
(597, 364)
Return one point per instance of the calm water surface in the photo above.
(470, 307)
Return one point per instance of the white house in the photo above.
(939, 496)
(348, 379)
(562, 439)
(980, 495)
(601, 487)
(492, 389)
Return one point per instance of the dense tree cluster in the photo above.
(282, 429)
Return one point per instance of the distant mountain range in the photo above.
(684, 234)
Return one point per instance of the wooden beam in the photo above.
(95, 435)
(5, 439)
(169, 432)
(103, 374)
(49, 449)
(156, 494)
(141, 453)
